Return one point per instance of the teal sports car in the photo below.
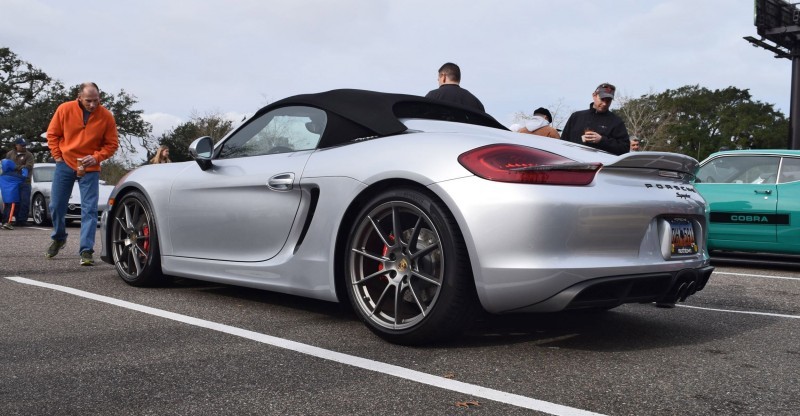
(753, 198)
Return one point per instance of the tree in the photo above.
(697, 121)
(648, 119)
(179, 139)
(29, 98)
(26, 100)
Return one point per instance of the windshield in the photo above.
(43, 173)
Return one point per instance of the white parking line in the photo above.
(376, 366)
(758, 275)
(779, 315)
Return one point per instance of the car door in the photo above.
(741, 194)
(789, 203)
(243, 207)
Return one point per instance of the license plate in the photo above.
(683, 241)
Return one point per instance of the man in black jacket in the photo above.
(450, 90)
(598, 127)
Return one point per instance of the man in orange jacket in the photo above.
(81, 134)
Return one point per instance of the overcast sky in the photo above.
(183, 56)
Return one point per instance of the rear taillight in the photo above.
(522, 164)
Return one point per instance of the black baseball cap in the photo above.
(605, 90)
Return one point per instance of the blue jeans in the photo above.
(63, 180)
(24, 203)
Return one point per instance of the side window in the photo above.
(740, 169)
(282, 130)
(790, 170)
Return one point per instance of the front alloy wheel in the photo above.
(39, 210)
(408, 275)
(134, 241)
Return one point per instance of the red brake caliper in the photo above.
(384, 252)
(146, 233)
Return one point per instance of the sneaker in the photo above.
(54, 247)
(86, 259)
(8, 226)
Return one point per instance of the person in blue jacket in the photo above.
(10, 181)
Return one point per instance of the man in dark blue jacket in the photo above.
(598, 127)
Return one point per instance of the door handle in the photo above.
(767, 191)
(281, 182)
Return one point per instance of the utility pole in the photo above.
(778, 21)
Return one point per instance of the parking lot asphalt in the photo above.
(78, 340)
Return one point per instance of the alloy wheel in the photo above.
(131, 243)
(396, 265)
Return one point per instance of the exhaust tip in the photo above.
(681, 293)
(687, 291)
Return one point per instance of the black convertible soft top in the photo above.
(362, 113)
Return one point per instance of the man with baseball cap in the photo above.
(598, 127)
(23, 159)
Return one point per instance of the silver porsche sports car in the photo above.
(416, 212)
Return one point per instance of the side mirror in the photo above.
(201, 151)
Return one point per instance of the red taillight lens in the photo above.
(522, 164)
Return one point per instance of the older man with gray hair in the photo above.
(81, 134)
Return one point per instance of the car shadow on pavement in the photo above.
(626, 328)
(629, 327)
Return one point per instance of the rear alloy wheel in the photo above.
(134, 241)
(39, 211)
(408, 273)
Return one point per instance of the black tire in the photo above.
(39, 211)
(415, 289)
(134, 241)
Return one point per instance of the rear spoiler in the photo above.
(673, 162)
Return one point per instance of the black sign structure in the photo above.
(778, 22)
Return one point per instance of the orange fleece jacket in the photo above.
(69, 139)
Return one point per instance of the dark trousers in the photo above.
(24, 206)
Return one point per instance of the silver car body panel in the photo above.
(525, 242)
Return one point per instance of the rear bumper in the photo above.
(607, 292)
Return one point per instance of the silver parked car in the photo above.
(42, 182)
(416, 212)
